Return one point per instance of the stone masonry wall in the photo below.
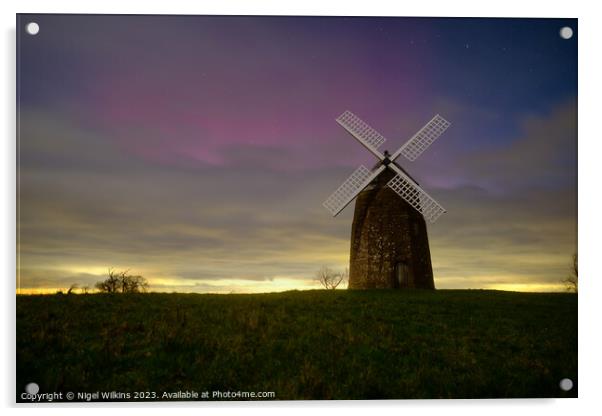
(387, 231)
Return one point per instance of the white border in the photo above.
(589, 35)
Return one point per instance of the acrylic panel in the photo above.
(172, 238)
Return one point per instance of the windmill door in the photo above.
(402, 273)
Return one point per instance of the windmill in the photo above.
(389, 242)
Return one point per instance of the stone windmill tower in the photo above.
(389, 241)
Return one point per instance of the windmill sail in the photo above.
(423, 139)
(366, 135)
(354, 184)
(415, 196)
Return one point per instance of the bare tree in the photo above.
(571, 282)
(124, 278)
(85, 289)
(133, 284)
(343, 276)
(110, 284)
(122, 282)
(329, 278)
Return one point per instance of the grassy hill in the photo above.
(303, 345)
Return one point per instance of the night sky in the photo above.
(197, 150)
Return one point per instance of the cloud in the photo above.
(532, 150)
(487, 239)
(544, 153)
(85, 205)
(105, 210)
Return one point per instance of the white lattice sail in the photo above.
(365, 134)
(423, 139)
(354, 184)
(416, 197)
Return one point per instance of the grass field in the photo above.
(302, 345)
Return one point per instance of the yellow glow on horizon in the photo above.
(41, 291)
(277, 284)
(528, 287)
(281, 285)
(214, 286)
(170, 283)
